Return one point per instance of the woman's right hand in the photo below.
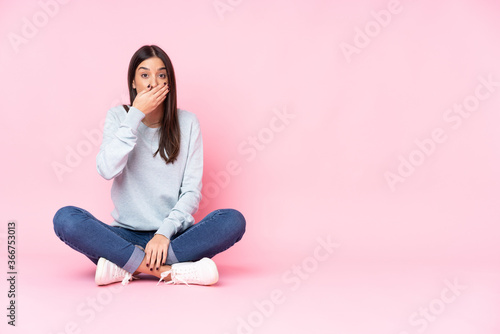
(148, 99)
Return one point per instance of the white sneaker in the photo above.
(202, 272)
(107, 272)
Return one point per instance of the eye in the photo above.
(144, 75)
(163, 76)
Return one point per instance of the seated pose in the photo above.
(154, 154)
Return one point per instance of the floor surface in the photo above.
(315, 295)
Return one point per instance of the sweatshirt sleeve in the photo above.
(180, 217)
(118, 140)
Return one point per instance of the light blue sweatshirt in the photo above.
(147, 193)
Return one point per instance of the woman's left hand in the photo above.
(156, 251)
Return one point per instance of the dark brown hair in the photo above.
(170, 134)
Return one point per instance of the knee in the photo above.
(236, 222)
(62, 220)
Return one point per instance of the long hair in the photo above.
(170, 134)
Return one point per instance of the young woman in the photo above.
(154, 154)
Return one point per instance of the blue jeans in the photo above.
(80, 230)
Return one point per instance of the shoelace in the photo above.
(165, 274)
(128, 277)
(176, 276)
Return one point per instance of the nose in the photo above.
(154, 82)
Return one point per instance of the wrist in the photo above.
(161, 236)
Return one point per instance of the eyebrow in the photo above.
(147, 69)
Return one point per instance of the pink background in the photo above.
(320, 173)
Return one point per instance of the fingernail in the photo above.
(157, 268)
(147, 264)
(149, 86)
(151, 269)
(164, 83)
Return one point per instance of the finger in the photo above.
(164, 256)
(162, 87)
(148, 256)
(159, 99)
(148, 90)
(153, 263)
(158, 260)
(160, 91)
(145, 90)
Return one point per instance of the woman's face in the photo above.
(152, 72)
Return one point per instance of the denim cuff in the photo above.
(135, 260)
